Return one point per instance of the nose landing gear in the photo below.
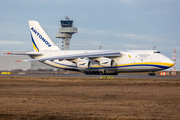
(151, 74)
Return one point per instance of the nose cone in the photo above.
(169, 62)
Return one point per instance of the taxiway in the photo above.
(98, 76)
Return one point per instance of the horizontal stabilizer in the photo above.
(21, 61)
(18, 61)
(34, 54)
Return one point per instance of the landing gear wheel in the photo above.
(151, 74)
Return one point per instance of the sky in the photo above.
(112, 24)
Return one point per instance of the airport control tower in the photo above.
(65, 32)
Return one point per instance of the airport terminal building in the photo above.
(7, 62)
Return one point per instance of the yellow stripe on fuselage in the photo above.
(148, 63)
(122, 65)
(142, 63)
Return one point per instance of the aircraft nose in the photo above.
(170, 62)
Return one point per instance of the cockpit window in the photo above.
(157, 52)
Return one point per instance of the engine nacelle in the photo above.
(84, 64)
(107, 63)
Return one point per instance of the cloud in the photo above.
(143, 38)
(126, 1)
(123, 1)
(135, 46)
(90, 31)
(177, 1)
(56, 1)
(130, 46)
(11, 31)
(6, 42)
(100, 31)
(91, 45)
(177, 64)
(32, 0)
(178, 49)
(167, 11)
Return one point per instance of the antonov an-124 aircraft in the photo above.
(93, 62)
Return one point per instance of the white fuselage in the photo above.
(130, 61)
(93, 61)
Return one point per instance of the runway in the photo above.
(98, 76)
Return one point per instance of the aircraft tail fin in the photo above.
(40, 39)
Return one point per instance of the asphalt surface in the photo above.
(98, 76)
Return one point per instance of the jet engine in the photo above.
(107, 63)
(84, 64)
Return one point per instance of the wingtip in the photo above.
(18, 61)
(7, 53)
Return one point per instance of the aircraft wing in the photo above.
(91, 55)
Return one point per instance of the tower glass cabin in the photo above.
(66, 23)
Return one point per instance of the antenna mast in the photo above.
(174, 60)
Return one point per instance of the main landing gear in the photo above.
(151, 74)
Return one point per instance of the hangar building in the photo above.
(7, 62)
